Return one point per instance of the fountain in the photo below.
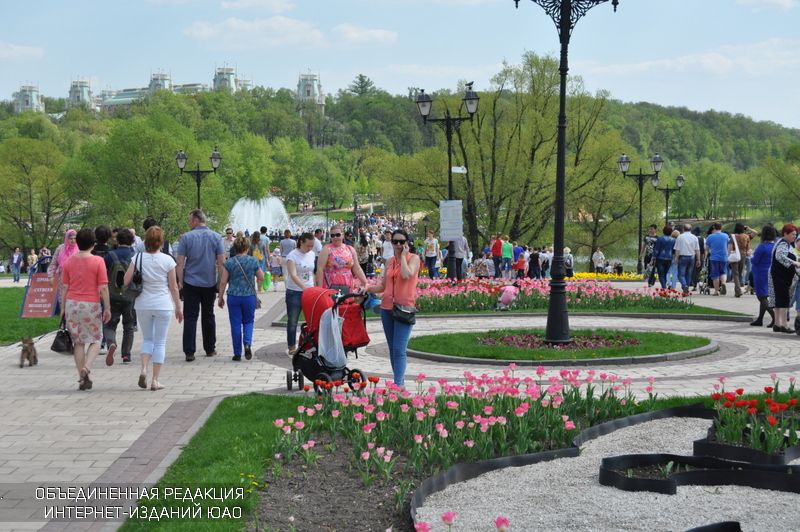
(248, 214)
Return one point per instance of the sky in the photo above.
(739, 56)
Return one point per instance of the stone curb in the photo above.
(621, 361)
(699, 317)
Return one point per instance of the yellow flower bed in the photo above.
(627, 276)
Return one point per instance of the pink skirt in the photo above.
(84, 321)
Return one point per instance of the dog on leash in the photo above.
(28, 353)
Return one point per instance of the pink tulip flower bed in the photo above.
(443, 295)
(536, 341)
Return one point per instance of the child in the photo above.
(508, 295)
(275, 267)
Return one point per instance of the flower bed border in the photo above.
(719, 472)
(636, 315)
(467, 471)
(709, 447)
(712, 347)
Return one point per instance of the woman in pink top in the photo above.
(399, 287)
(84, 282)
(337, 265)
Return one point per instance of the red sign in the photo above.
(40, 297)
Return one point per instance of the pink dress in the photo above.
(339, 268)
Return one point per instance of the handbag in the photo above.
(62, 343)
(404, 314)
(735, 255)
(252, 284)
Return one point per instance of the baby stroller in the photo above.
(309, 361)
(703, 282)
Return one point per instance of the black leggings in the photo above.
(764, 307)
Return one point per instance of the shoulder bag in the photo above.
(735, 255)
(250, 282)
(62, 343)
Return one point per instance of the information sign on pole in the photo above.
(451, 222)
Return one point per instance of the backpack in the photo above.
(117, 291)
(258, 255)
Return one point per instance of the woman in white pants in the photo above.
(156, 304)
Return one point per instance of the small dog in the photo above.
(28, 353)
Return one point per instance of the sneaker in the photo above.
(103, 350)
(290, 352)
(237, 358)
(722, 289)
(212, 353)
(248, 352)
(189, 357)
(112, 348)
(126, 359)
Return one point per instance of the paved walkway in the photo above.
(50, 432)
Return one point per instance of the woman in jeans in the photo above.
(399, 287)
(242, 274)
(84, 283)
(156, 304)
(662, 254)
(300, 275)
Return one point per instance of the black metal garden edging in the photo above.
(709, 471)
(466, 471)
(709, 446)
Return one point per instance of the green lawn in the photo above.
(466, 345)
(237, 441)
(693, 310)
(15, 328)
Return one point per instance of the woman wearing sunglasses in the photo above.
(399, 287)
(338, 266)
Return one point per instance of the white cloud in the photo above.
(275, 6)
(780, 4)
(350, 34)
(240, 34)
(17, 51)
(753, 59)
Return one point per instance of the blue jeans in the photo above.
(15, 272)
(241, 313)
(685, 271)
(397, 335)
(662, 267)
(430, 263)
(294, 299)
(154, 325)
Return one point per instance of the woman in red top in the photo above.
(84, 282)
(399, 287)
(496, 249)
(337, 265)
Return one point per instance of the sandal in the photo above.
(87, 382)
(156, 386)
(143, 381)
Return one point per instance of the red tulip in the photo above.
(768, 389)
(740, 391)
(772, 421)
(716, 396)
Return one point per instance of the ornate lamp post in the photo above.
(216, 159)
(679, 182)
(450, 125)
(565, 14)
(624, 164)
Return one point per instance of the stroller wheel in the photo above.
(289, 380)
(320, 381)
(301, 381)
(355, 375)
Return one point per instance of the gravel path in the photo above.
(564, 494)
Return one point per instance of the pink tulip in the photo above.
(448, 518)
(502, 524)
(335, 413)
(422, 527)
(301, 409)
(417, 438)
(365, 455)
(299, 425)
(469, 443)
(278, 423)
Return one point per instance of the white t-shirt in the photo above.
(686, 244)
(317, 246)
(155, 285)
(388, 251)
(304, 264)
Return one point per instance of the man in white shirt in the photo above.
(317, 242)
(686, 254)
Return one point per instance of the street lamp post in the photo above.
(624, 164)
(565, 14)
(679, 182)
(216, 159)
(450, 124)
